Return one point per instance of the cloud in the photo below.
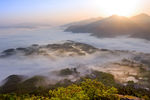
(16, 38)
(42, 65)
(24, 26)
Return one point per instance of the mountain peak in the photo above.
(117, 16)
(142, 18)
(142, 15)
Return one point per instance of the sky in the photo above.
(57, 11)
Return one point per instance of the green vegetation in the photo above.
(68, 71)
(96, 86)
(105, 78)
(86, 90)
(15, 84)
(132, 89)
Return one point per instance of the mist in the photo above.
(13, 38)
(41, 65)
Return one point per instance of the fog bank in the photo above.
(25, 37)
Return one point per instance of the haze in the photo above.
(64, 11)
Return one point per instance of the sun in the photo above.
(118, 7)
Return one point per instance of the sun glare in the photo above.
(119, 7)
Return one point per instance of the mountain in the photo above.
(84, 22)
(142, 19)
(115, 26)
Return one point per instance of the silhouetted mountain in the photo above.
(142, 19)
(84, 22)
(115, 26)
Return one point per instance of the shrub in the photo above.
(87, 90)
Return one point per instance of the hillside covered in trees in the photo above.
(86, 88)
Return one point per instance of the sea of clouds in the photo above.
(13, 38)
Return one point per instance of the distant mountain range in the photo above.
(24, 26)
(136, 26)
(84, 22)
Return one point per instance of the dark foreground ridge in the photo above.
(90, 87)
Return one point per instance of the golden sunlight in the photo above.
(119, 7)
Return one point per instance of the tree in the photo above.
(87, 90)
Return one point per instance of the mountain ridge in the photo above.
(114, 26)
